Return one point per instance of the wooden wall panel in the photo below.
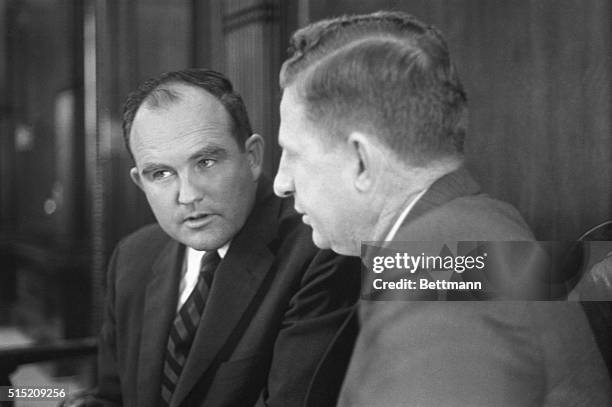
(164, 35)
(537, 74)
(252, 61)
(208, 37)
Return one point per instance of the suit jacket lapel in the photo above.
(446, 188)
(159, 310)
(235, 284)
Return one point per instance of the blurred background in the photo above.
(537, 74)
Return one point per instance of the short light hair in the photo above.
(387, 74)
(158, 92)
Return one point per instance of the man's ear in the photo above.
(254, 147)
(135, 175)
(367, 157)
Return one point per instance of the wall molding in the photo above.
(264, 12)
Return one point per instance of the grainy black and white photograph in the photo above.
(305, 203)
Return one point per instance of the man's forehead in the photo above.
(188, 98)
(293, 114)
(290, 100)
(192, 107)
(182, 125)
(297, 130)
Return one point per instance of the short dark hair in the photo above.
(385, 73)
(156, 92)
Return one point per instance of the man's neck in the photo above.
(401, 190)
(390, 212)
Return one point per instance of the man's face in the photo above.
(317, 174)
(199, 184)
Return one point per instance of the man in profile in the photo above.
(373, 121)
(225, 301)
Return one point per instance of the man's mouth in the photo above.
(197, 220)
(305, 218)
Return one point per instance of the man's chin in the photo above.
(320, 242)
(209, 244)
(202, 242)
(342, 249)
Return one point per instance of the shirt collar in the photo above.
(222, 251)
(403, 215)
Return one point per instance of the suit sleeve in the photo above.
(317, 311)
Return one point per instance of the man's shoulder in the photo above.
(472, 217)
(135, 254)
(150, 238)
(454, 208)
(485, 214)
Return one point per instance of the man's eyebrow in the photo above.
(148, 167)
(281, 143)
(211, 152)
(216, 152)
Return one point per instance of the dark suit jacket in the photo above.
(275, 305)
(495, 353)
(324, 388)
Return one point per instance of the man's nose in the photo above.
(189, 191)
(283, 183)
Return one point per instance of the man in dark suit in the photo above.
(374, 104)
(224, 302)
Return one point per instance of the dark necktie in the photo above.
(185, 325)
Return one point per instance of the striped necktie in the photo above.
(185, 325)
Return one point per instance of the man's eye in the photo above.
(206, 163)
(160, 175)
